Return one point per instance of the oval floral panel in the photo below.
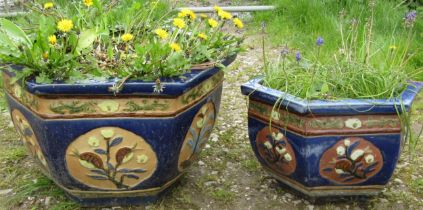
(197, 136)
(110, 158)
(28, 137)
(351, 161)
(276, 151)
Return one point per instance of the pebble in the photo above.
(383, 200)
(399, 181)
(310, 207)
(207, 146)
(296, 202)
(10, 125)
(47, 201)
(201, 163)
(6, 191)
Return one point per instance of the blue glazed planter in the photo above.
(326, 148)
(127, 149)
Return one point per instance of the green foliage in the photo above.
(77, 41)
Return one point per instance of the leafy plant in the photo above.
(99, 39)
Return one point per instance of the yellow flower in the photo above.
(127, 37)
(178, 22)
(161, 33)
(202, 36)
(52, 39)
(392, 47)
(217, 8)
(88, 3)
(187, 13)
(224, 15)
(213, 23)
(65, 25)
(45, 55)
(175, 47)
(48, 5)
(238, 23)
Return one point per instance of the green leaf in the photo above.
(14, 32)
(325, 88)
(86, 39)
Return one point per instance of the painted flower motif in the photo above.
(158, 87)
(339, 171)
(347, 142)
(178, 22)
(275, 115)
(280, 150)
(52, 39)
(287, 157)
(107, 133)
(109, 106)
(65, 25)
(277, 136)
(353, 123)
(202, 36)
(340, 151)
(88, 3)
(48, 5)
(127, 37)
(141, 159)
(212, 23)
(356, 154)
(369, 158)
(175, 47)
(268, 145)
(161, 33)
(238, 23)
(93, 142)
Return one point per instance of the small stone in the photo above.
(399, 181)
(10, 125)
(296, 202)
(47, 201)
(6, 191)
(207, 146)
(201, 163)
(383, 200)
(289, 195)
(214, 172)
(310, 207)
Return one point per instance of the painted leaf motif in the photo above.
(96, 171)
(132, 176)
(138, 170)
(123, 155)
(100, 151)
(327, 169)
(91, 158)
(116, 141)
(343, 164)
(86, 164)
(98, 177)
(123, 170)
(111, 167)
(352, 147)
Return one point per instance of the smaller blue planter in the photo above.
(326, 148)
(116, 150)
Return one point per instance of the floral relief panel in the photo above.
(110, 158)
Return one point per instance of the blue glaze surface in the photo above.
(173, 86)
(255, 90)
(309, 150)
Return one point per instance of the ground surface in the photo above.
(227, 176)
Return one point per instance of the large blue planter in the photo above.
(326, 148)
(104, 149)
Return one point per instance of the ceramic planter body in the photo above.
(103, 149)
(326, 148)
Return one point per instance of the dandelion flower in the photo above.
(217, 8)
(178, 22)
(65, 25)
(202, 36)
(161, 33)
(175, 47)
(45, 55)
(224, 15)
(52, 39)
(187, 13)
(127, 37)
(238, 23)
(204, 16)
(213, 23)
(88, 3)
(392, 47)
(48, 5)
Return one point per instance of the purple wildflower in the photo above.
(410, 18)
(320, 41)
(298, 56)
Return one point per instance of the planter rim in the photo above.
(172, 86)
(255, 90)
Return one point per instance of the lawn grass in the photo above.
(298, 24)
